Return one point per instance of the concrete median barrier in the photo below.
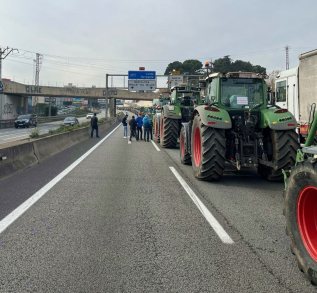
(16, 158)
(19, 155)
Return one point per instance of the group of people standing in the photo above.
(136, 125)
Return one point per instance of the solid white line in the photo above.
(225, 238)
(9, 219)
(155, 146)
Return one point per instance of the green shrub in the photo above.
(35, 133)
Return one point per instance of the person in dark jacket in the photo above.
(125, 126)
(133, 125)
(139, 122)
(147, 127)
(94, 125)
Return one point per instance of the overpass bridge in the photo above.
(17, 93)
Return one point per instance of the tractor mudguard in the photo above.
(187, 141)
(277, 121)
(172, 112)
(218, 118)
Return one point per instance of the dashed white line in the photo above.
(9, 219)
(225, 238)
(155, 146)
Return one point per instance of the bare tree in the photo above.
(271, 80)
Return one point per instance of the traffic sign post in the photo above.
(142, 85)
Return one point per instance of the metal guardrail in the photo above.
(47, 119)
(6, 123)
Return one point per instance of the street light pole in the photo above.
(107, 95)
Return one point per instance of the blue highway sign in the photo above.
(141, 75)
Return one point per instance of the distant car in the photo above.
(70, 121)
(26, 120)
(89, 115)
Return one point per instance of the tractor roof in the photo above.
(186, 89)
(238, 74)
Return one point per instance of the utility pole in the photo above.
(107, 101)
(287, 56)
(38, 63)
(3, 54)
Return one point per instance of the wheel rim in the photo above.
(182, 145)
(307, 219)
(197, 146)
(162, 128)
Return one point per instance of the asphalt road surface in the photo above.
(12, 134)
(131, 218)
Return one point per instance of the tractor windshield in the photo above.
(238, 93)
(188, 99)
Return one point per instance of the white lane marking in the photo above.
(155, 146)
(225, 238)
(9, 219)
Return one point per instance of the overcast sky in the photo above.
(81, 41)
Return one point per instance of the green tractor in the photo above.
(183, 100)
(236, 125)
(300, 208)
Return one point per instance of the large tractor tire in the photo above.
(301, 214)
(208, 151)
(168, 132)
(184, 154)
(284, 149)
(156, 127)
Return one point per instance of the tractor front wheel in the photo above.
(208, 151)
(169, 132)
(184, 154)
(301, 214)
(156, 128)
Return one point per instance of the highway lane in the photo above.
(120, 221)
(12, 134)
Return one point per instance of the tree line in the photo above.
(225, 64)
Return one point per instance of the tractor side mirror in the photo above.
(269, 99)
(202, 83)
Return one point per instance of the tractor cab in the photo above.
(236, 90)
(185, 95)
